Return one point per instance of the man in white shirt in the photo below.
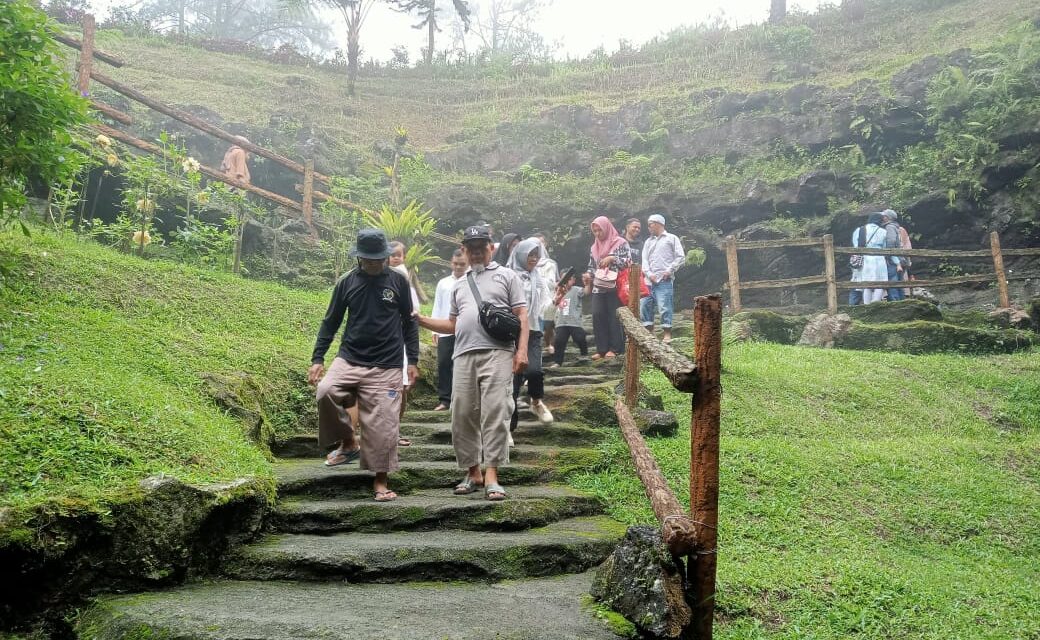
(662, 256)
(446, 341)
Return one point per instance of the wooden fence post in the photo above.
(86, 56)
(308, 195)
(828, 270)
(704, 461)
(734, 273)
(998, 267)
(635, 276)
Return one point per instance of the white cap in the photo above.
(658, 218)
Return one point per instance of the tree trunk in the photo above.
(431, 23)
(777, 11)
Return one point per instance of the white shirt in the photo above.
(661, 254)
(442, 300)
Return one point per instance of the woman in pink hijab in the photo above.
(610, 255)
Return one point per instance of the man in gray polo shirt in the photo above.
(483, 366)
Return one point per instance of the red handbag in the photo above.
(622, 287)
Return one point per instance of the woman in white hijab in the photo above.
(524, 261)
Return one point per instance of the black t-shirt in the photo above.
(380, 324)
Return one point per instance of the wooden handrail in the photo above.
(111, 112)
(747, 245)
(676, 367)
(781, 284)
(678, 530)
(107, 58)
(912, 253)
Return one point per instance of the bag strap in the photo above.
(473, 287)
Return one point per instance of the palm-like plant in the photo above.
(411, 225)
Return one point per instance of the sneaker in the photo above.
(542, 412)
(554, 365)
(551, 350)
(510, 441)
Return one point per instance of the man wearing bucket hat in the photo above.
(376, 301)
(662, 256)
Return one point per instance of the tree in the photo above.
(38, 109)
(354, 13)
(507, 26)
(777, 11)
(427, 12)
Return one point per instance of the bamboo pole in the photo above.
(704, 460)
(86, 56)
(998, 267)
(116, 134)
(828, 269)
(635, 275)
(734, 273)
(201, 125)
(107, 58)
(678, 531)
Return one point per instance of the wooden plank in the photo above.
(346, 204)
(828, 273)
(704, 461)
(677, 367)
(1020, 252)
(116, 134)
(635, 276)
(938, 282)
(201, 125)
(913, 253)
(780, 284)
(86, 56)
(111, 112)
(107, 58)
(748, 245)
(308, 194)
(998, 269)
(678, 531)
(734, 273)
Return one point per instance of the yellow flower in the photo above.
(202, 197)
(146, 205)
(103, 140)
(138, 235)
(112, 160)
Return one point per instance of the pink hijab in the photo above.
(603, 248)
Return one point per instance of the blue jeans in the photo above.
(894, 276)
(660, 298)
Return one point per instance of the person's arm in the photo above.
(443, 325)
(520, 357)
(586, 279)
(327, 332)
(680, 257)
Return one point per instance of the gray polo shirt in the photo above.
(497, 285)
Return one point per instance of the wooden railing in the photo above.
(828, 278)
(687, 535)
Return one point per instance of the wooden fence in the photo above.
(86, 72)
(689, 536)
(999, 275)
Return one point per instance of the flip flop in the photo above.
(404, 442)
(494, 487)
(385, 496)
(467, 486)
(342, 457)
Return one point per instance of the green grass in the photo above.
(100, 362)
(865, 495)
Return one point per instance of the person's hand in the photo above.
(315, 374)
(606, 262)
(899, 268)
(666, 275)
(413, 375)
(586, 278)
(435, 339)
(520, 362)
(654, 279)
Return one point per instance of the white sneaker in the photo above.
(511, 440)
(542, 412)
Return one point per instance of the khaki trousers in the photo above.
(481, 404)
(379, 405)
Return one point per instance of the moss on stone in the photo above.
(933, 337)
(897, 312)
(771, 326)
(616, 622)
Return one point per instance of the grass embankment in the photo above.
(866, 495)
(100, 362)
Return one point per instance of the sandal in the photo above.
(467, 486)
(339, 456)
(385, 496)
(596, 356)
(494, 488)
(441, 407)
(404, 442)
(610, 354)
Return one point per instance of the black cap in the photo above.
(371, 244)
(476, 232)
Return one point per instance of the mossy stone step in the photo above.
(598, 378)
(538, 609)
(311, 477)
(562, 434)
(428, 509)
(306, 446)
(566, 546)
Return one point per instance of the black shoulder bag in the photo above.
(499, 322)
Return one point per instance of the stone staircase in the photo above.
(336, 564)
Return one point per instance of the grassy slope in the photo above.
(100, 363)
(434, 108)
(866, 494)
